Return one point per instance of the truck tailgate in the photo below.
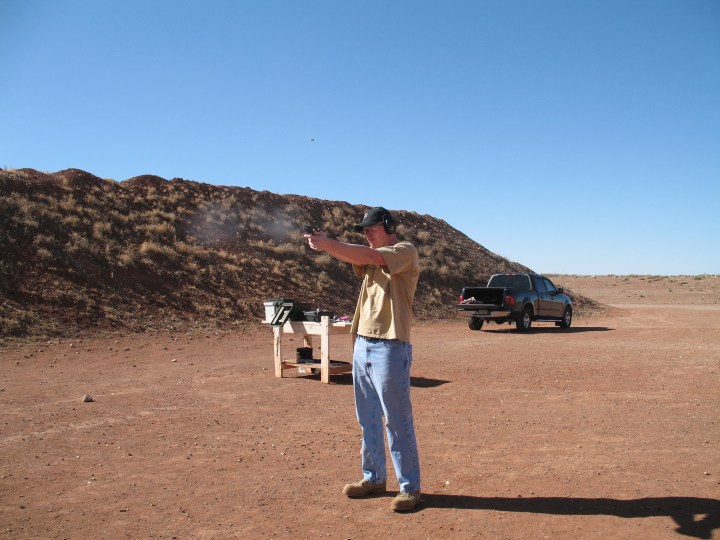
(492, 296)
(469, 306)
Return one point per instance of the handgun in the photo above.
(309, 229)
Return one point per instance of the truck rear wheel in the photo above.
(474, 323)
(524, 323)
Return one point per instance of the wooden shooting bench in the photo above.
(308, 329)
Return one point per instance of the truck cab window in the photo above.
(515, 281)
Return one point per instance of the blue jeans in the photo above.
(381, 379)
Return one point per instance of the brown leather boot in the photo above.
(363, 488)
(405, 501)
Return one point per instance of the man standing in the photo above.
(382, 354)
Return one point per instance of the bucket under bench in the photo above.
(324, 329)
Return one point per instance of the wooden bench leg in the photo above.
(324, 350)
(277, 334)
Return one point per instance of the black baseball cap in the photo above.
(372, 217)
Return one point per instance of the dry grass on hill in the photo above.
(84, 254)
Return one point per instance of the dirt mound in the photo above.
(146, 181)
(88, 254)
(78, 179)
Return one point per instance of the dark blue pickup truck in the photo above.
(516, 298)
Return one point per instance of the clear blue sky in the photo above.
(571, 136)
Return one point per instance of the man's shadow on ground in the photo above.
(694, 516)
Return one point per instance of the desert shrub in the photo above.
(48, 243)
(226, 255)
(157, 251)
(191, 267)
(436, 294)
(192, 250)
(71, 222)
(287, 249)
(229, 203)
(78, 244)
(232, 268)
(173, 199)
(19, 212)
(324, 281)
(254, 225)
(151, 194)
(139, 200)
(158, 231)
(22, 205)
(101, 229)
(45, 240)
(15, 322)
(423, 236)
(44, 254)
(136, 219)
(129, 257)
(262, 244)
(27, 223)
(45, 214)
(337, 218)
(9, 204)
(425, 251)
(91, 200)
(294, 211)
(157, 215)
(324, 259)
(69, 204)
(278, 268)
(118, 218)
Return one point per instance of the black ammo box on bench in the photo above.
(317, 315)
(287, 310)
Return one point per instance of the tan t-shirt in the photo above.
(384, 307)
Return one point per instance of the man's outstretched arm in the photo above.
(351, 253)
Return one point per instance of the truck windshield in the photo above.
(510, 281)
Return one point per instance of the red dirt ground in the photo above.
(606, 430)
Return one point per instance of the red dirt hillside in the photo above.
(81, 253)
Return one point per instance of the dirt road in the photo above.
(607, 430)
